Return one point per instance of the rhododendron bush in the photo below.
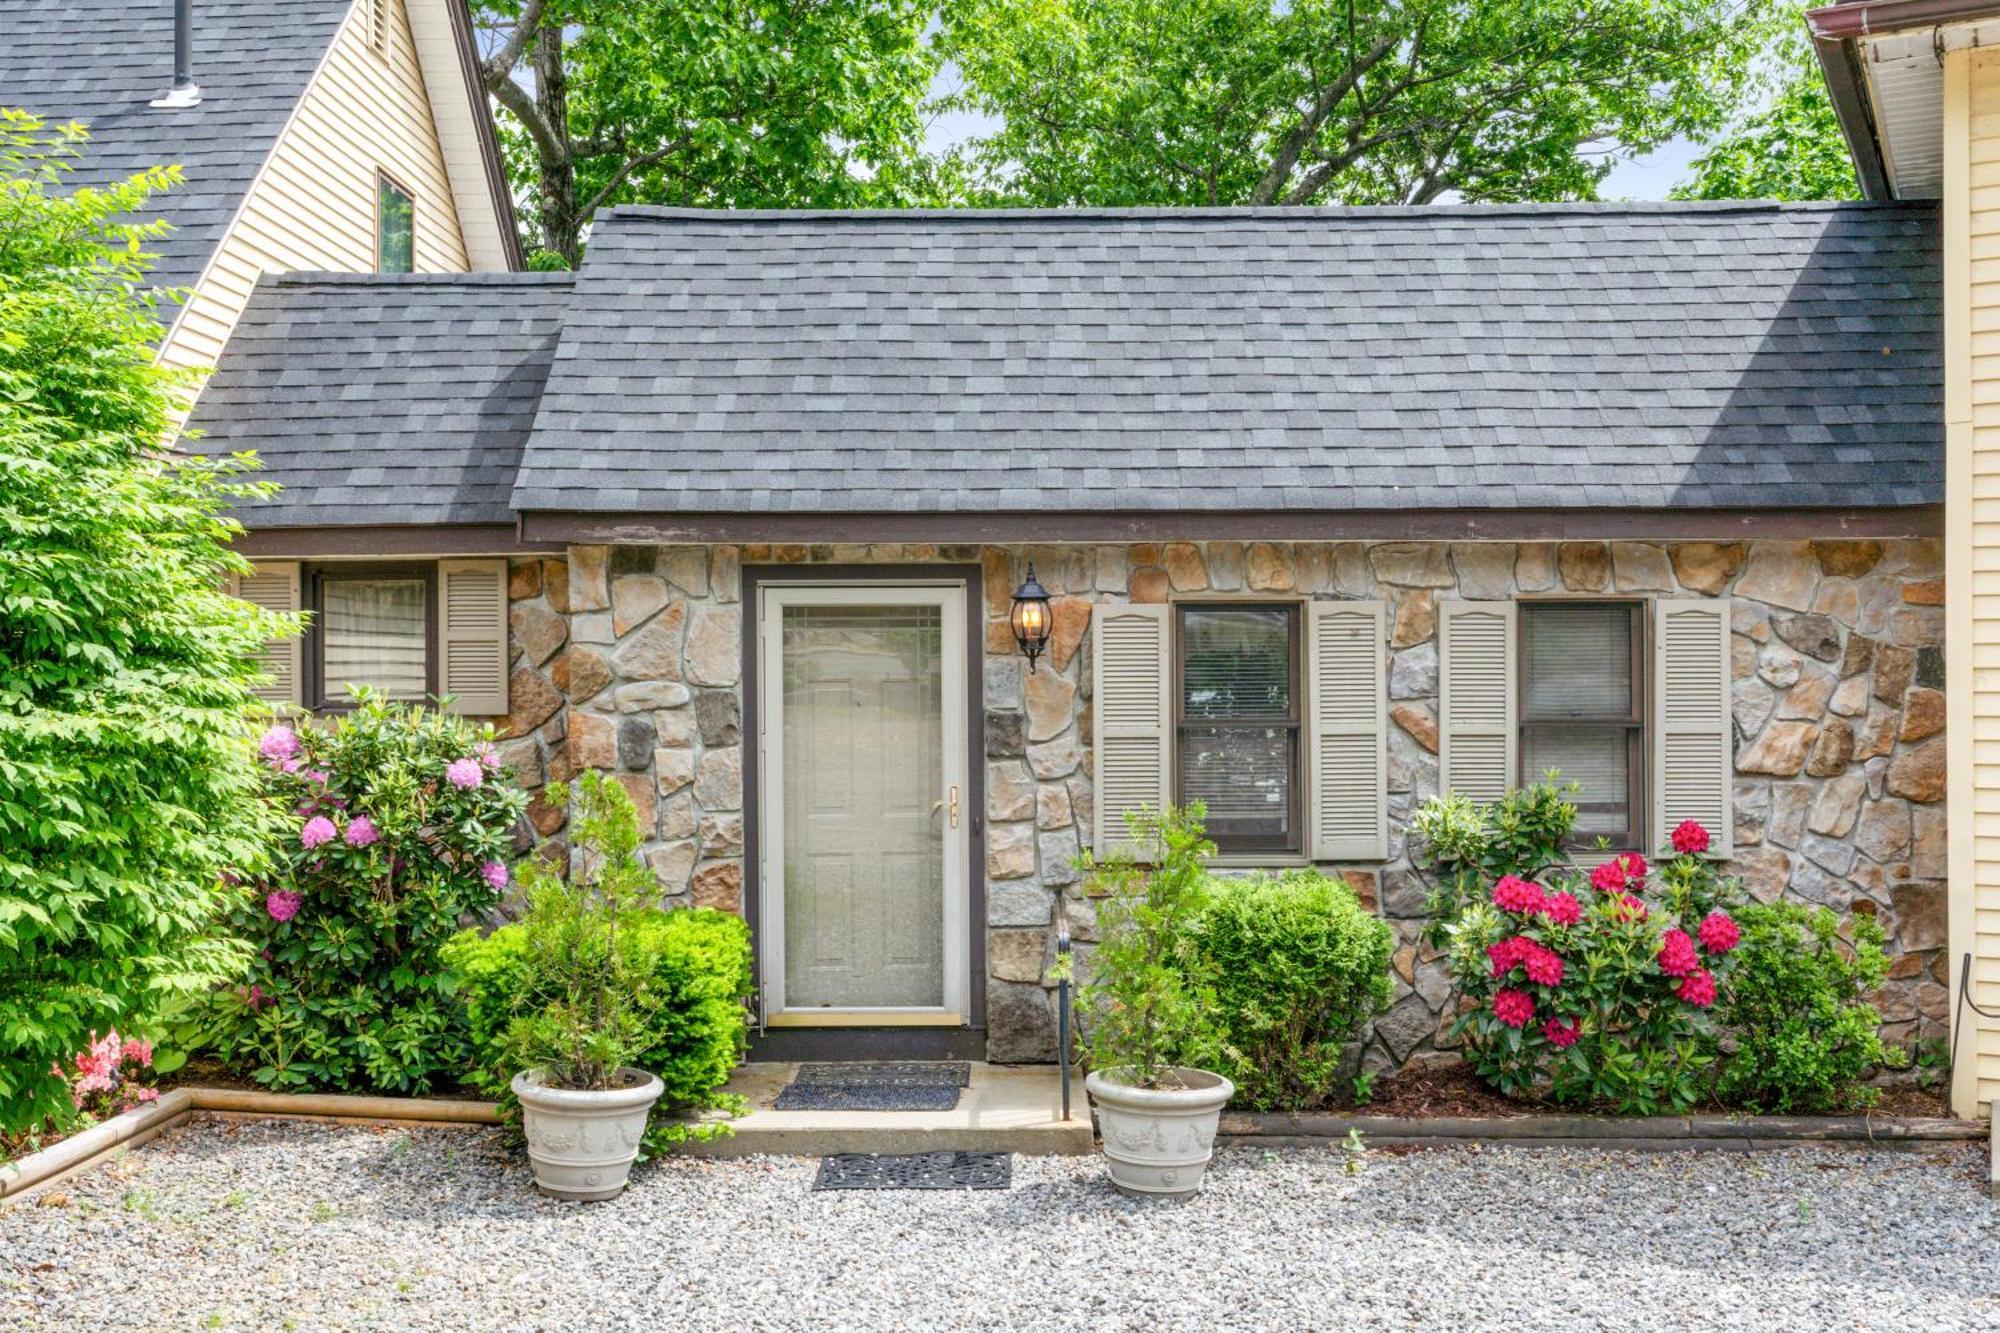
(398, 823)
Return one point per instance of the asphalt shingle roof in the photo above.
(102, 61)
(384, 399)
(1566, 356)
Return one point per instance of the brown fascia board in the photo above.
(1851, 20)
(364, 541)
(489, 141)
(1272, 525)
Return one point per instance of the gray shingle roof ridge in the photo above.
(489, 278)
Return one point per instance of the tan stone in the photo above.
(718, 779)
(536, 630)
(686, 567)
(653, 652)
(1416, 618)
(1922, 915)
(1000, 639)
(671, 864)
(1485, 569)
(1917, 626)
(1149, 585)
(1315, 565)
(1417, 720)
(580, 672)
(1056, 758)
(677, 815)
(1929, 851)
(1895, 668)
(1640, 567)
(1367, 887)
(725, 572)
(1706, 566)
(1780, 750)
(524, 580)
(1535, 568)
(640, 788)
(715, 645)
(1923, 713)
(1112, 569)
(1010, 851)
(587, 588)
(1850, 699)
(720, 835)
(546, 817)
(1225, 566)
(1808, 697)
(1838, 804)
(1847, 559)
(1186, 568)
(1069, 619)
(1016, 955)
(1052, 807)
(1924, 592)
(1764, 870)
(1412, 564)
(1143, 553)
(1351, 573)
(996, 570)
(521, 762)
(1918, 774)
(1884, 831)
(634, 598)
(673, 769)
(593, 741)
(1010, 791)
(1832, 752)
(531, 701)
(1051, 700)
(1780, 574)
(1878, 733)
(1269, 568)
(1839, 599)
(719, 885)
(676, 728)
(1585, 566)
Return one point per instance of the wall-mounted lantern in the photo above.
(1030, 618)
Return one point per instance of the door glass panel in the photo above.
(863, 770)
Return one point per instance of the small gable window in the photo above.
(395, 227)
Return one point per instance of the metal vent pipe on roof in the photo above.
(185, 91)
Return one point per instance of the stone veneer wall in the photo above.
(628, 659)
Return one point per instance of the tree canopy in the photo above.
(1788, 145)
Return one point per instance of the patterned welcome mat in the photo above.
(916, 1171)
(887, 1073)
(876, 1085)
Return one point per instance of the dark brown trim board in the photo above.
(871, 1043)
(1513, 525)
(375, 542)
(489, 141)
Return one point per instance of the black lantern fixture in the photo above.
(1030, 618)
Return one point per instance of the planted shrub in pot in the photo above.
(1147, 1007)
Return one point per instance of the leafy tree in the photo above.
(1789, 147)
(709, 103)
(1122, 102)
(126, 780)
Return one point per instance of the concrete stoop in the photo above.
(1007, 1108)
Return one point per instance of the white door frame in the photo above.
(948, 595)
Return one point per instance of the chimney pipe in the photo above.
(185, 92)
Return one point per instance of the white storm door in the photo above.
(864, 816)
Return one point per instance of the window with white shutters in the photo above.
(274, 585)
(1582, 710)
(1476, 736)
(1237, 719)
(1692, 759)
(1346, 673)
(472, 639)
(1130, 672)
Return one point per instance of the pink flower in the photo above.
(1719, 933)
(1698, 989)
(1634, 866)
(1545, 966)
(139, 1050)
(489, 758)
(292, 765)
(318, 776)
(361, 832)
(1690, 837)
(1562, 908)
(1514, 894)
(277, 745)
(1513, 1007)
(464, 774)
(1608, 878)
(1561, 1032)
(1631, 908)
(255, 997)
(1677, 956)
(281, 905)
(318, 832)
(495, 875)
(148, 1094)
(1507, 953)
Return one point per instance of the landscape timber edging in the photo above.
(1657, 1133)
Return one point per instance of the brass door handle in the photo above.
(954, 807)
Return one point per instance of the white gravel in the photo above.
(276, 1226)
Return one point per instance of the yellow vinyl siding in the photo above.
(313, 205)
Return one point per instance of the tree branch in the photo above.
(500, 65)
(521, 105)
(639, 163)
(1294, 144)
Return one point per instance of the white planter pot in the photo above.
(1157, 1141)
(582, 1143)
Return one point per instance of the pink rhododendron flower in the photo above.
(1506, 953)
(361, 832)
(1513, 1007)
(1514, 894)
(1718, 932)
(1545, 965)
(495, 874)
(1698, 989)
(1631, 908)
(281, 905)
(1690, 837)
(464, 774)
(1562, 908)
(1677, 956)
(1608, 878)
(1561, 1032)
(489, 758)
(277, 745)
(318, 832)
(1634, 866)
(292, 765)
(319, 776)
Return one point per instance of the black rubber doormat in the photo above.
(867, 1097)
(916, 1171)
(887, 1073)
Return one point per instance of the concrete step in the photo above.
(1007, 1108)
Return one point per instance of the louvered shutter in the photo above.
(1476, 732)
(1133, 723)
(472, 636)
(1349, 773)
(1691, 728)
(274, 585)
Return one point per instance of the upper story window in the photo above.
(1582, 710)
(395, 227)
(1237, 722)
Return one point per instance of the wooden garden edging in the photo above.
(86, 1149)
(1658, 1133)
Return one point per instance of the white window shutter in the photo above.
(1476, 664)
(472, 636)
(274, 585)
(1348, 690)
(1692, 737)
(1133, 723)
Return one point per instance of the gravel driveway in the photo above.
(276, 1226)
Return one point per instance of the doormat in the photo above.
(867, 1097)
(887, 1073)
(915, 1171)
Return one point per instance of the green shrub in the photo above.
(1468, 847)
(586, 983)
(126, 672)
(1805, 1037)
(1298, 966)
(398, 822)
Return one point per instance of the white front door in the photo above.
(863, 812)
